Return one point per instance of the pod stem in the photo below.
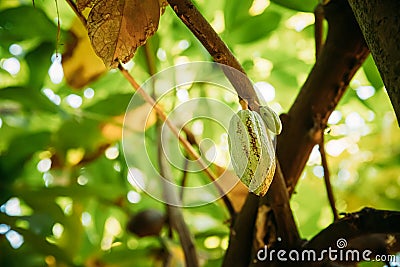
(244, 104)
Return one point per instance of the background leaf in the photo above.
(304, 5)
(38, 61)
(254, 28)
(372, 73)
(29, 98)
(14, 27)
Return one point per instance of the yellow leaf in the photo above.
(117, 28)
(136, 120)
(140, 118)
(238, 193)
(81, 65)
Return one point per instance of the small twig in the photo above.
(150, 60)
(184, 177)
(58, 27)
(327, 180)
(175, 215)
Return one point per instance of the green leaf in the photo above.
(39, 63)
(79, 133)
(255, 28)
(25, 22)
(372, 73)
(236, 12)
(11, 257)
(303, 5)
(20, 150)
(29, 98)
(113, 105)
(41, 245)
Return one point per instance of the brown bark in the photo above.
(242, 233)
(369, 229)
(380, 24)
(211, 41)
(342, 55)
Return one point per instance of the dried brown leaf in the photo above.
(163, 5)
(117, 28)
(82, 4)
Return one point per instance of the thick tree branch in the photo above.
(199, 26)
(238, 253)
(359, 229)
(282, 232)
(342, 55)
(318, 28)
(278, 200)
(379, 22)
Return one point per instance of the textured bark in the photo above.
(380, 24)
(375, 230)
(211, 41)
(242, 233)
(342, 55)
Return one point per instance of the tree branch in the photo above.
(278, 200)
(327, 179)
(175, 215)
(284, 232)
(150, 58)
(211, 41)
(342, 55)
(359, 227)
(242, 233)
(318, 29)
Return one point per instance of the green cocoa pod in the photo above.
(252, 151)
(271, 119)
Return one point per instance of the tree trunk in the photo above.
(380, 24)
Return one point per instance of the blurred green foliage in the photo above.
(64, 194)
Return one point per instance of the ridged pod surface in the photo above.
(271, 119)
(252, 151)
